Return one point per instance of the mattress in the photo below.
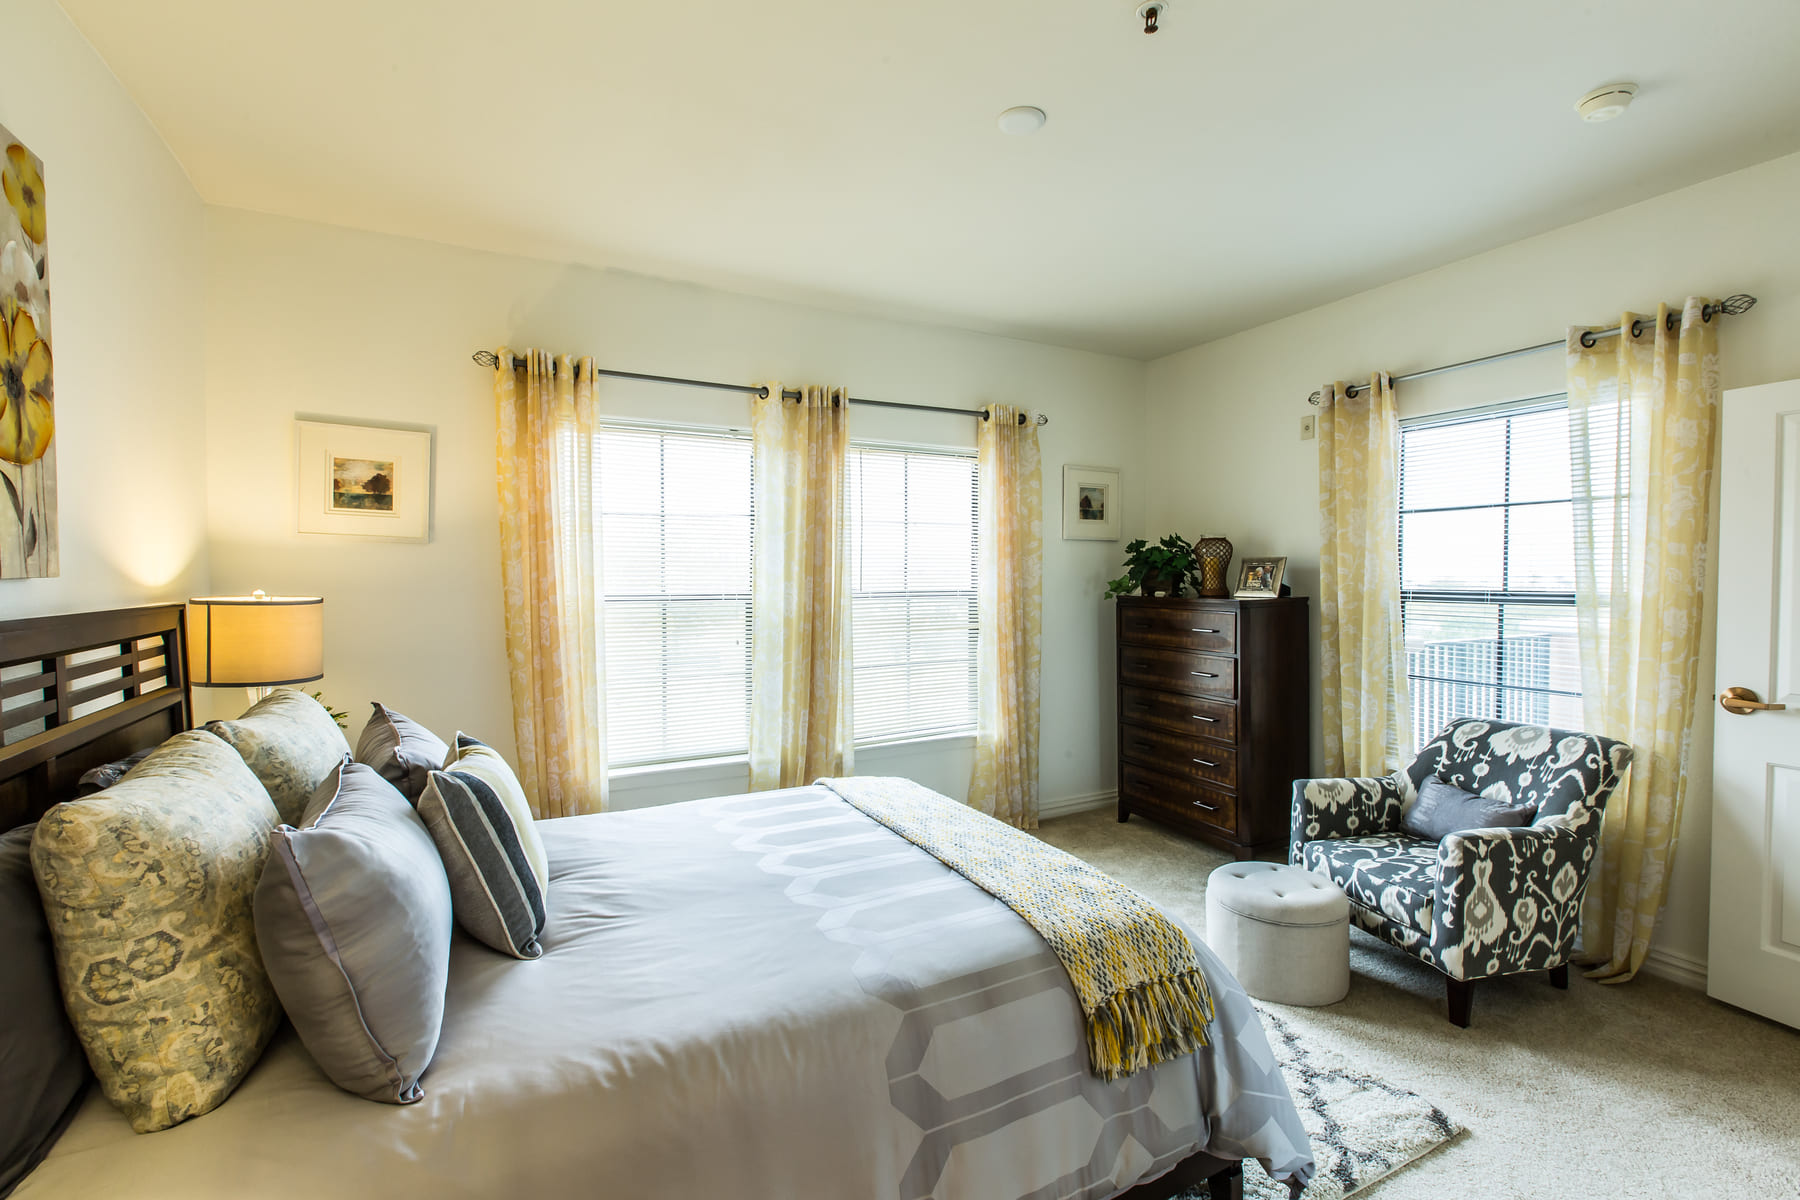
(766, 995)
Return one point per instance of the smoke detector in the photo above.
(1022, 120)
(1606, 102)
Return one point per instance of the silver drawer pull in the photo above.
(1208, 720)
(1207, 807)
(1204, 674)
(1203, 631)
(1204, 763)
(1140, 666)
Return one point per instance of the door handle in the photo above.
(1741, 702)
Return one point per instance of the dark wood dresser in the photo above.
(1213, 716)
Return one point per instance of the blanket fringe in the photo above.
(1151, 1023)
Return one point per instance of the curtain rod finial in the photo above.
(486, 358)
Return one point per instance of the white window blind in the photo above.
(912, 578)
(676, 523)
(1487, 572)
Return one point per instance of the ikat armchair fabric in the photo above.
(1482, 902)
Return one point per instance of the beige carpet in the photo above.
(1646, 1089)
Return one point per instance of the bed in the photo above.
(758, 995)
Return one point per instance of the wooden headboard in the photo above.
(84, 689)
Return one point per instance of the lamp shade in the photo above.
(255, 641)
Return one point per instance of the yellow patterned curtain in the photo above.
(547, 465)
(800, 683)
(1643, 419)
(1010, 604)
(1362, 647)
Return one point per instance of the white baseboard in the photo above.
(1676, 967)
(1066, 806)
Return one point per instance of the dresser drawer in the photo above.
(1177, 712)
(1189, 758)
(1178, 671)
(1150, 791)
(1212, 630)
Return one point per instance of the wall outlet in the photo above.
(1309, 427)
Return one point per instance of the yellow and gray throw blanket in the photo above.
(1135, 973)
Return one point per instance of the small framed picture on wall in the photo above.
(370, 481)
(1091, 503)
(1260, 578)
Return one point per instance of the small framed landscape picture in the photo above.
(363, 481)
(1091, 502)
(1260, 578)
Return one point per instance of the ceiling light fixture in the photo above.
(1606, 102)
(1022, 120)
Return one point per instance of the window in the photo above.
(1487, 569)
(912, 581)
(676, 527)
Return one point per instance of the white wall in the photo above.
(308, 319)
(1224, 449)
(126, 245)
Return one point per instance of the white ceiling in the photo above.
(1249, 161)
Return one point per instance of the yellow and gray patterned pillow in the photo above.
(148, 890)
(292, 744)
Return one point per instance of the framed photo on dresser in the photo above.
(1091, 502)
(1260, 578)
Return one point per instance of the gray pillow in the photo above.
(353, 917)
(404, 751)
(107, 774)
(43, 1072)
(1442, 810)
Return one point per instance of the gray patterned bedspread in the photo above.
(753, 996)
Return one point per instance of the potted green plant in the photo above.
(1167, 567)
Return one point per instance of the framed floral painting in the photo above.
(370, 481)
(27, 398)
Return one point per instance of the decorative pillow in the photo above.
(404, 751)
(148, 890)
(478, 816)
(43, 1073)
(107, 774)
(353, 919)
(1442, 810)
(291, 742)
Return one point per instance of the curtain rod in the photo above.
(1731, 306)
(487, 358)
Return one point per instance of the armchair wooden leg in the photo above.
(1559, 977)
(1461, 995)
(1227, 1185)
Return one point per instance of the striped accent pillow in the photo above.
(481, 822)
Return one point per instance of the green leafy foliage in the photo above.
(1171, 565)
(341, 717)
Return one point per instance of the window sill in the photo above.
(725, 766)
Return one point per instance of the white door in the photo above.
(1754, 950)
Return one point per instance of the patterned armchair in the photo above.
(1483, 902)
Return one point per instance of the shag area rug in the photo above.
(1362, 1129)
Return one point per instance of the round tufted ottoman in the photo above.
(1283, 931)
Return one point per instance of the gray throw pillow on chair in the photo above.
(354, 921)
(1442, 810)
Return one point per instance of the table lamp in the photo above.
(255, 642)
